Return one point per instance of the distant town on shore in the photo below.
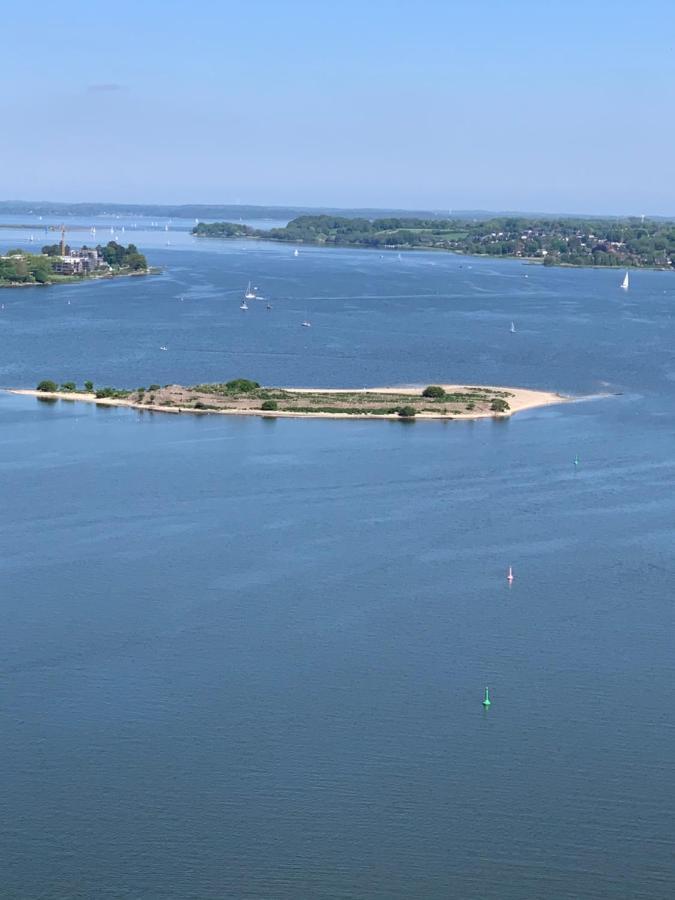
(551, 241)
(59, 263)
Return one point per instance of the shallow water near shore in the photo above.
(245, 657)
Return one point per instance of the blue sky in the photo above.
(492, 104)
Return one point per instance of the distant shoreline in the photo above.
(606, 243)
(79, 279)
(519, 399)
(524, 260)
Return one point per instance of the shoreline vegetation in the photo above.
(244, 397)
(57, 264)
(620, 243)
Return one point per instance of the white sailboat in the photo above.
(625, 284)
(244, 304)
(296, 252)
(512, 329)
(249, 294)
(306, 324)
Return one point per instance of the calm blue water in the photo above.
(245, 658)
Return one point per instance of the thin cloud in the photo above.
(105, 87)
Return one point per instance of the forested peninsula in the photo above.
(551, 241)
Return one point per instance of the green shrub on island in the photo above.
(499, 405)
(68, 387)
(270, 405)
(241, 386)
(89, 386)
(434, 391)
(111, 393)
(47, 386)
(407, 412)
(156, 387)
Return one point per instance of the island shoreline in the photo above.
(70, 280)
(520, 400)
(402, 248)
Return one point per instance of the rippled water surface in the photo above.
(245, 658)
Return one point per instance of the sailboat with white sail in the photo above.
(512, 329)
(249, 293)
(625, 284)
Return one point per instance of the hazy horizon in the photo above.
(511, 107)
(325, 209)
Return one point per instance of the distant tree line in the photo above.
(553, 241)
(224, 229)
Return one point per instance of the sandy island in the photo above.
(459, 402)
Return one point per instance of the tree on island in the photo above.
(118, 256)
(241, 386)
(499, 405)
(55, 250)
(47, 386)
(434, 391)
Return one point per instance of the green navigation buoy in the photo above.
(486, 699)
